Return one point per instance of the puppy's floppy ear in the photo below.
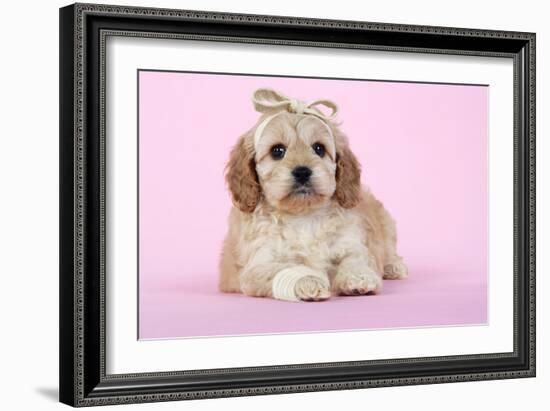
(348, 174)
(241, 176)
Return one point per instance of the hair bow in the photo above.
(267, 100)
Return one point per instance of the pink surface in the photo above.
(423, 148)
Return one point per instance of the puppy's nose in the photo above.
(302, 174)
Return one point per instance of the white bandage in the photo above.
(284, 282)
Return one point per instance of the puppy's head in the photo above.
(295, 162)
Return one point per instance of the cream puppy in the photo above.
(302, 227)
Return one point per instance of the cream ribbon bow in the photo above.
(268, 100)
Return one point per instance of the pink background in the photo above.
(423, 148)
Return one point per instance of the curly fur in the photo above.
(241, 176)
(338, 229)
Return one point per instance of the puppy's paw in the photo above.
(300, 283)
(311, 288)
(367, 282)
(395, 270)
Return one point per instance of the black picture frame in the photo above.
(83, 381)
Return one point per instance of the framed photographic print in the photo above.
(261, 204)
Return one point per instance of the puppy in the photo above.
(302, 228)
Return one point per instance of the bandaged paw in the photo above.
(300, 283)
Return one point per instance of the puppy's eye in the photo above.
(319, 149)
(278, 151)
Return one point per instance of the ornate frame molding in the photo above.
(82, 336)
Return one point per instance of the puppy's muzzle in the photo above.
(302, 174)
